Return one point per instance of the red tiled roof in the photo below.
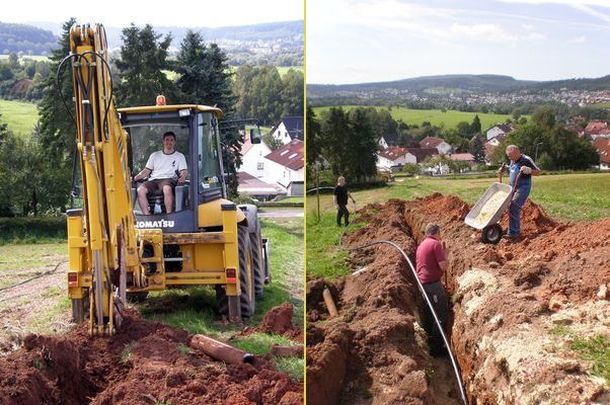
(431, 142)
(595, 127)
(393, 152)
(253, 185)
(290, 155)
(422, 153)
(466, 157)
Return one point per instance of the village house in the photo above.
(498, 130)
(421, 154)
(596, 129)
(285, 167)
(388, 140)
(256, 188)
(462, 157)
(253, 157)
(289, 129)
(393, 158)
(435, 142)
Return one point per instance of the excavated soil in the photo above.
(146, 363)
(508, 299)
(278, 321)
(370, 353)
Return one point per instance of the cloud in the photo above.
(577, 40)
(586, 6)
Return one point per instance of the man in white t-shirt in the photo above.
(162, 170)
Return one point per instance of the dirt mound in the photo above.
(147, 362)
(278, 319)
(534, 221)
(506, 297)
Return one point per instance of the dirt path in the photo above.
(35, 304)
(509, 299)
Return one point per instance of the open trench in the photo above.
(507, 300)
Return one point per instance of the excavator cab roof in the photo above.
(147, 109)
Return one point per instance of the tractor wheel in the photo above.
(137, 297)
(492, 234)
(258, 261)
(247, 303)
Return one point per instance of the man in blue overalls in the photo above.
(521, 170)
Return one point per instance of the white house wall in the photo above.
(281, 134)
(275, 173)
(443, 148)
(494, 132)
(255, 155)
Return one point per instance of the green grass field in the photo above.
(448, 119)
(19, 115)
(566, 197)
(282, 70)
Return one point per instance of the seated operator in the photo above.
(162, 167)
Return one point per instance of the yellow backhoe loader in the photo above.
(115, 249)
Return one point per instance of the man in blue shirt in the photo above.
(521, 170)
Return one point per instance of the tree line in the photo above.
(202, 76)
(341, 142)
(550, 143)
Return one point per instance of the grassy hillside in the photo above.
(448, 119)
(20, 116)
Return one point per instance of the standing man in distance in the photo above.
(340, 200)
(521, 170)
(165, 168)
(431, 263)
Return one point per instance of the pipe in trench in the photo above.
(454, 364)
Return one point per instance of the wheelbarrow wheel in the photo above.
(492, 234)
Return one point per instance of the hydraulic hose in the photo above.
(436, 320)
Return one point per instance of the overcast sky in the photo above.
(353, 41)
(186, 13)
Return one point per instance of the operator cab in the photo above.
(197, 138)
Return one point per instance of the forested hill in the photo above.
(25, 38)
(471, 83)
(278, 43)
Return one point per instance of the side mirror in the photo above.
(255, 135)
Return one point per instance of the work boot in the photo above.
(513, 238)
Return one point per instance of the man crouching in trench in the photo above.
(431, 262)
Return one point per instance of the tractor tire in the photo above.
(247, 301)
(258, 261)
(137, 297)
